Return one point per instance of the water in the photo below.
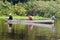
(28, 32)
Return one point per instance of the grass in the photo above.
(23, 17)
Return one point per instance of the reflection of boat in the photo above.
(43, 23)
(31, 21)
(38, 23)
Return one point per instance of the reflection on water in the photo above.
(30, 27)
(53, 28)
(41, 38)
(26, 31)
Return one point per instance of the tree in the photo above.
(3, 1)
(9, 0)
(17, 1)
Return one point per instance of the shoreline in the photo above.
(24, 17)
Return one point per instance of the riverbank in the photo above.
(24, 17)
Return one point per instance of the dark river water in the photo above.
(30, 31)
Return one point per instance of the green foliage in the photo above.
(58, 1)
(20, 9)
(7, 8)
(47, 9)
(35, 8)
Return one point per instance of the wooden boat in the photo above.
(31, 21)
